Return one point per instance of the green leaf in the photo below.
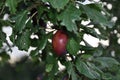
(2, 36)
(34, 53)
(92, 66)
(23, 41)
(51, 67)
(107, 76)
(92, 32)
(99, 51)
(58, 4)
(69, 16)
(85, 70)
(48, 67)
(28, 24)
(12, 37)
(96, 16)
(50, 59)
(73, 47)
(71, 71)
(5, 23)
(41, 10)
(43, 42)
(12, 4)
(86, 56)
(107, 61)
(21, 21)
(87, 48)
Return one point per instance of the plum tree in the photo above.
(33, 23)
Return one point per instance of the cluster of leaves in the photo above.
(29, 18)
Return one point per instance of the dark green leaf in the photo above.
(98, 51)
(50, 59)
(86, 56)
(28, 24)
(59, 4)
(92, 32)
(52, 66)
(41, 11)
(5, 23)
(69, 16)
(87, 48)
(97, 16)
(53, 16)
(2, 36)
(12, 4)
(21, 21)
(73, 47)
(49, 67)
(92, 66)
(71, 71)
(34, 53)
(84, 69)
(12, 37)
(23, 41)
(107, 76)
(107, 61)
(43, 42)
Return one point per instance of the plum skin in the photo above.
(59, 42)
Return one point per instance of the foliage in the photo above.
(41, 18)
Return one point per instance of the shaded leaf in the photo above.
(84, 69)
(98, 51)
(73, 47)
(21, 21)
(34, 52)
(97, 16)
(92, 66)
(71, 71)
(43, 42)
(12, 4)
(2, 36)
(107, 61)
(5, 23)
(69, 16)
(50, 59)
(86, 56)
(92, 32)
(23, 41)
(49, 67)
(59, 4)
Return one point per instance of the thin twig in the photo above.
(31, 16)
(8, 45)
